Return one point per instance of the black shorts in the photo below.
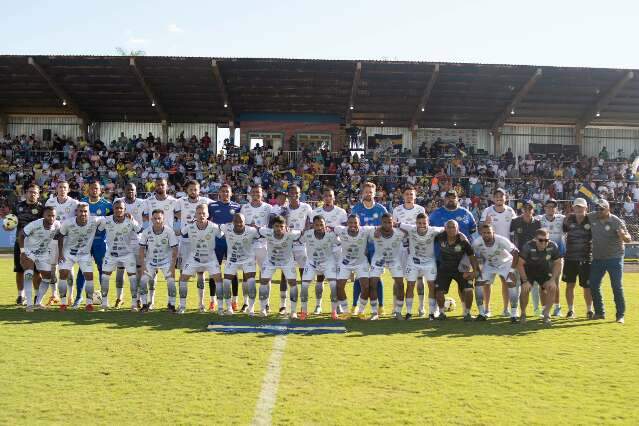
(443, 280)
(539, 278)
(574, 269)
(17, 267)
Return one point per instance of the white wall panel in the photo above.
(191, 129)
(109, 131)
(518, 138)
(613, 139)
(68, 126)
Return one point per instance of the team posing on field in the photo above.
(421, 253)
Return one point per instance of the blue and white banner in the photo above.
(277, 328)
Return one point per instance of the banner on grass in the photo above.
(278, 328)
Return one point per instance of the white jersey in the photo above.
(554, 227)
(387, 249)
(409, 216)
(500, 221)
(334, 217)
(169, 206)
(279, 251)
(65, 210)
(135, 208)
(78, 238)
(239, 247)
(496, 255)
(202, 241)
(38, 239)
(319, 251)
(257, 216)
(421, 247)
(298, 217)
(354, 247)
(187, 207)
(158, 245)
(119, 235)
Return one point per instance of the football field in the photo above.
(120, 367)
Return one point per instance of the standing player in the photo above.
(65, 208)
(34, 241)
(98, 206)
(554, 223)
(27, 211)
(370, 214)
(407, 214)
(578, 256)
(75, 244)
(333, 216)
(200, 258)
(186, 206)
(160, 200)
(499, 257)
(119, 229)
(387, 255)
(353, 261)
(319, 247)
(523, 229)
(239, 240)
(222, 212)
(539, 262)
(453, 247)
(256, 213)
(158, 251)
(298, 218)
(420, 262)
(499, 216)
(279, 242)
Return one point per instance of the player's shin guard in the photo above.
(119, 283)
(219, 295)
(304, 295)
(409, 305)
(361, 305)
(319, 291)
(213, 290)
(184, 291)
(42, 290)
(227, 290)
(133, 285)
(357, 290)
(144, 289)
(245, 291)
(374, 306)
(62, 289)
(513, 295)
(88, 289)
(152, 283)
(332, 285)
(251, 293)
(104, 288)
(200, 290)
(28, 286)
(171, 290)
(421, 294)
(479, 299)
(264, 295)
(293, 293)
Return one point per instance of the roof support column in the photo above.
(4, 124)
(497, 142)
(84, 127)
(165, 132)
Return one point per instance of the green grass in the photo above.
(120, 367)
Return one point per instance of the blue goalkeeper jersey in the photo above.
(102, 207)
(369, 217)
(464, 218)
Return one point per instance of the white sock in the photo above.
(374, 305)
(283, 299)
(183, 302)
(133, 286)
(251, 305)
(88, 287)
(409, 305)
(344, 305)
(118, 292)
(399, 305)
(104, 284)
(361, 305)
(200, 294)
(42, 290)
(571, 307)
(184, 293)
(432, 306)
(151, 297)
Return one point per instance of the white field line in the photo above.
(268, 393)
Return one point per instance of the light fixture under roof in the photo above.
(381, 122)
(351, 107)
(455, 123)
(423, 109)
(598, 114)
(512, 111)
(152, 103)
(226, 105)
(64, 102)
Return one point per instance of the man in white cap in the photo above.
(578, 255)
(609, 233)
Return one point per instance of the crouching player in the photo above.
(320, 262)
(420, 262)
(239, 240)
(388, 244)
(34, 241)
(540, 263)
(200, 258)
(353, 261)
(454, 248)
(120, 253)
(279, 255)
(499, 257)
(158, 252)
(74, 246)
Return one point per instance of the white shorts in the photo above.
(299, 255)
(465, 265)
(488, 273)
(289, 270)
(395, 270)
(360, 271)
(152, 270)
(111, 263)
(231, 268)
(183, 252)
(191, 267)
(428, 270)
(42, 262)
(53, 250)
(85, 261)
(311, 270)
(135, 242)
(405, 254)
(260, 254)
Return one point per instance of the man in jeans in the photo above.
(609, 233)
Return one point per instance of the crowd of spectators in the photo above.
(433, 170)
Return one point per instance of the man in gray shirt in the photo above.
(609, 233)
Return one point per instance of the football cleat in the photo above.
(505, 313)
(380, 310)
(599, 316)
(339, 310)
(151, 306)
(431, 317)
(522, 318)
(118, 303)
(19, 300)
(89, 307)
(362, 316)
(138, 304)
(303, 315)
(244, 308)
(264, 312)
(293, 315)
(468, 317)
(374, 317)
(39, 307)
(514, 320)
(480, 317)
(421, 313)
(145, 308)
(354, 310)
(488, 314)
(212, 306)
(134, 308)
(282, 310)
(408, 316)
(63, 308)
(75, 305)
(229, 311)
(442, 316)
(29, 308)
(571, 315)
(170, 308)
(397, 316)
(201, 308)
(103, 308)
(318, 310)
(181, 310)
(234, 306)
(334, 316)
(557, 311)
(621, 320)
(53, 300)
(590, 315)
(547, 321)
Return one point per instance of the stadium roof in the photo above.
(196, 89)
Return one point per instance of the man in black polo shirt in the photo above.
(578, 256)
(453, 245)
(522, 230)
(540, 263)
(27, 211)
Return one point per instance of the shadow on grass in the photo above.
(195, 322)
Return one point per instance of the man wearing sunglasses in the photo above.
(539, 263)
(609, 233)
